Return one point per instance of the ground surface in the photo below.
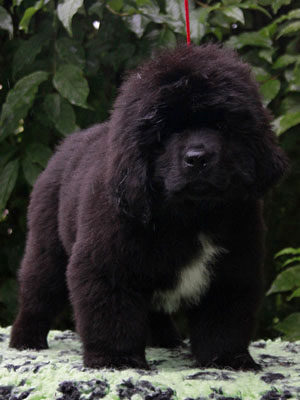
(58, 373)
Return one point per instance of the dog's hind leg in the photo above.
(42, 287)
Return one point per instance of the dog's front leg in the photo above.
(110, 314)
(221, 329)
(224, 322)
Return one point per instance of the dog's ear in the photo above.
(133, 135)
(271, 163)
(131, 188)
(128, 173)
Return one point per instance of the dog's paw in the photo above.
(22, 339)
(23, 343)
(243, 362)
(118, 362)
(29, 333)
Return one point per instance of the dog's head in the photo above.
(190, 124)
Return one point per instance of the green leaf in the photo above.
(253, 6)
(290, 327)
(269, 31)
(294, 82)
(296, 293)
(256, 39)
(261, 74)
(66, 10)
(6, 153)
(71, 84)
(234, 13)
(197, 28)
(217, 32)
(285, 60)
(16, 3)
(176, 15)
(6, 22)
(220, 20)
(31, 170)
(294, 14)
(176, 18)
(288, 279)
(285, 122)
(277, 4)
(289, 29)
(290, 261)
(167, 38)
(8, 178)
(70, 52)
(267, 55)
(292, 45)
(28, 50)
(291, 15)
(38, 153)
(61, 113)
(116, 4)
(287, 251)
(97, 8)
(19, 100)
(175, 9)
(269, 90)
(142, 3)
(128, 9)
(147, 11)
(164, 38)
(289, 74)
(203, 13)
(151, 10)
(291, 103)
(137, 23)
(29, 13)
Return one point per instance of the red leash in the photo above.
(187, 22)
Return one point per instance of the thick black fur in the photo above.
(117, 214)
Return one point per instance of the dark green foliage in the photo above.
(62, 61)
(286, 286)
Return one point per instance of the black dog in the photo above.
(157, 208)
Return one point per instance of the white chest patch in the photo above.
(194, 279)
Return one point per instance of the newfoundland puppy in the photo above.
(157, 209)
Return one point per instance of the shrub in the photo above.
(62, 61)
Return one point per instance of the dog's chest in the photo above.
(193, 280)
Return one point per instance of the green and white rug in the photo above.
(58, 374)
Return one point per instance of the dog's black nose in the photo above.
(198, 159)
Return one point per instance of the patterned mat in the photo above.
(58, 374)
